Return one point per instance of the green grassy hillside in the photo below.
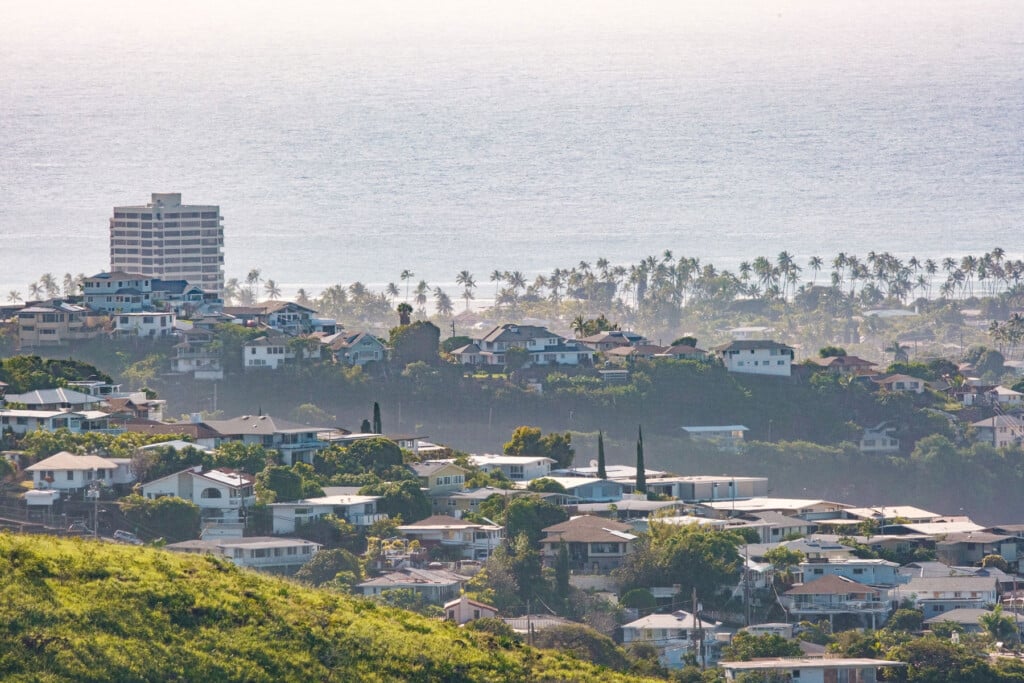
(87, 611)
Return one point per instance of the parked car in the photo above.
(127, 537)
(79, 528)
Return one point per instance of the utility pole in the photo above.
(746, 583)
(698, 630)
(529, 626)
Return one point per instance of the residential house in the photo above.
(879, 440)
(1007, 399)
(999, 430)
(16, 421)
(939, 594)
(970, 547)
(759, 357)
(587, 490)
(117, 292)
(471, 540)
(282, 316)
(272, 351)
(968, 619)
(629, 509)
(56, 399)
(147, 324)
(437, 586)
(771, 526)
(626, 354)
(197, 432)
(360, 511)
(883, 514)
(700, 488)
(900, 383)
(295, 442)
(871, 572)
(610, 339)
(683, 352)
(54, 323)
(515, 467)
(543, 346)
(68, 473)
(136, 407)
(676, 636)
(810, 669)
(844, 365)
(835, 595)
(221, 494)
(463, 609)
(593, 543)
(810, 509)
(439, 476)
(729, 437)
(197, 355)
(359, 348)
(264, 553)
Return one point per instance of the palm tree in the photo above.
(404, 313)
(302, 297)
(898, 351)
(271, 289)
(252, 281)
(465, 278)
(421, 294)
(405, 277)
(443, 303)
(35, 290)
(497, 277)
(49, 284)
(69, 285)
(14, 296)
(815, 263)
(391, 290)
(231, 288)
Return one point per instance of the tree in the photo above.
(997, 561)
(584, 643)
(602, 473)
(545, 485)
(419, 341)
(641, 471)
(524, 515)
(278, 484)
(562, 571)
(516, 358)
(909, 620)
(365, 427)
(746, 646)
(337, 565)
(831, 351)
(1000, 626)
(529, 441)
(377, 426)
(172, 518)
(405, 277)
(272, 290)
(404, 313)
(375, 455)
(404, 498)
(782, 558)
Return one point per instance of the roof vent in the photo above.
(246, 417)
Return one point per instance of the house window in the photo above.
(858, 571)
(71, 476)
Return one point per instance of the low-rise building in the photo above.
(729, 437)
(360, 511)
(358, 348)
(54, 323)
(834, 595)
(811, 670)
(68, 472)
(939, 594)
(221, 494)
(437, 586)
(471, 540)
(676, 636)
(462, 610)
(439, 476)
(594, 544)
(264, 553)
(1000, 430)
(515, 467)
(758, 357)
(901, 383)
(879, 440)
(295, 442)
(147, 324)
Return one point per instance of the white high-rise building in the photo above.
(169, 240)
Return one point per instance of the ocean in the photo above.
(351, 141)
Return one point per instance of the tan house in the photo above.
(439, 477)
(54, 323)
(594, 543)
(844, 365)
(463, 609)
(903, 383)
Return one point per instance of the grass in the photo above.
(73, 609)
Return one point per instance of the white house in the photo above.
(1000, 430)
(146, 324)
(758, 357)
(811, 670)
(221, 494)
(729, 437)
(265, 553)
(515, 467)
(463, 609)
(544, 347)
(56, 399)
(273, 351)
(197, 355)
(675, 636)
(901, 383)
(357, 510)
(589, 490)
(871, 572)
(67, 472)
(24, 421)
(935, 595)
(879, 440)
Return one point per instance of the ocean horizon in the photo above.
(351, 143)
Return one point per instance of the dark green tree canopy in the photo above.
(419, 341)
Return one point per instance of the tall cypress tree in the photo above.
(377, 428)
(601, 472)
(641, 473)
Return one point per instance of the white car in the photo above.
(127, 537)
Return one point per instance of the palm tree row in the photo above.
(47, 286)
